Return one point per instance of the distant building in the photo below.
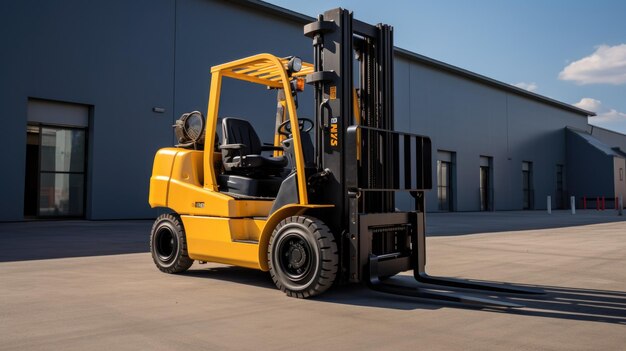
(90, 90)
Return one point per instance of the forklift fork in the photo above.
(376, 284)
(422, 277)
(464, 284)
(429, 283)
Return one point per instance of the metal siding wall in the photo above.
(620, 178)
(459, 116)
(589, 171)
(119, 57)
(122, 58)
(13, 114)
(213, 32)
(473, 119)
(614, 139)
(114, 55)
(403, 120)
(537, 134)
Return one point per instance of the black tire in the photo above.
(168, 244)
(302, 256)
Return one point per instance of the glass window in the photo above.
(55, 171)
(62, 150)
(444, 189)
(61, 194)
(527, 184)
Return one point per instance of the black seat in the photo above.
(241, 150)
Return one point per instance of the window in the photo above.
(527, 185)
(56, 143)
(445, 180)
(55, 172)
(485, 187)
(560, 193)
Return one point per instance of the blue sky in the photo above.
(572, 51)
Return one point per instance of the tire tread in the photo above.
(329, 260)
(182, 261)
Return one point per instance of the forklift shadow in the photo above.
(578, 304)
(575, 304)
(233, 274)
(360, 295)
(591, 305)
(352, 294)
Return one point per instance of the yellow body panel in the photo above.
(220, 228)
(160, 180)
(209, 239)
(237, 241)
(176, 183)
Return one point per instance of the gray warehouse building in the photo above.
(90, 91)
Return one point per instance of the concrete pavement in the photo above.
(122, 302)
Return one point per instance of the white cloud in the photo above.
(606, 65)
(589, 104)
(604, 114)
(527, 86)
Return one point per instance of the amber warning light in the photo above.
(300, 84)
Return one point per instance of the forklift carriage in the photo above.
(315, 211)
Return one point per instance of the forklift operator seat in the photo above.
(241, 150)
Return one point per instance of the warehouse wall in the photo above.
(619, 175)
(115, 56)
(122, 59)
(474, 120)
(590, 169)
(213, 32)
(610, 137)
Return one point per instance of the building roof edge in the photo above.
(490, 81)
(304, 19)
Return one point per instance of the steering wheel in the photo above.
(304, 124)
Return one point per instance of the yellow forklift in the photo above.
(317, 206)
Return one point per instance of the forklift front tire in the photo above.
(302, 256)
(168, 245)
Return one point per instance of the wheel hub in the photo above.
(165, 244)
(297, 255)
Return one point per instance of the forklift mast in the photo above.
(367, 162)
(357, 146)
(353, 86)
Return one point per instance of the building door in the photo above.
(445, 180)
(55, 161)
(527, 183)
(560, 194)
(486, 193)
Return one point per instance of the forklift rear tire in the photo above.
(168, 244)
(302, 256)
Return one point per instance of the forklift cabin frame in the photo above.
(267, 70)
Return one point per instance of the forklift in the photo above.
(319, 207)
